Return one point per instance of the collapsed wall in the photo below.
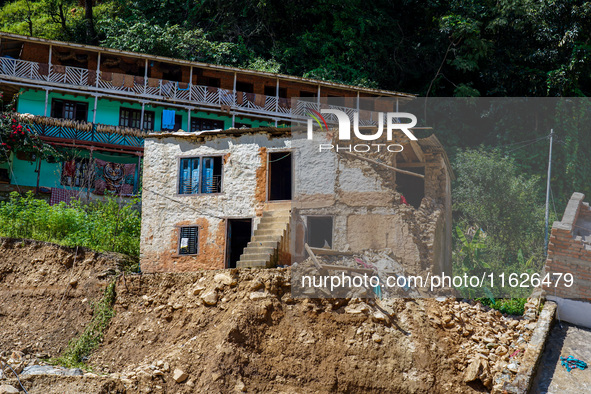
(378, 200)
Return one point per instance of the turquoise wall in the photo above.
(33, 102)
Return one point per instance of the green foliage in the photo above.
(493, 195)
(470, 253)
(79, 349)
(102, 226)
(510, 306)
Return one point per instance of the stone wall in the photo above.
(164, 211)
(569, 251)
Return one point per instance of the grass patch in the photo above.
(79, 349)
(102, 226)
(510, 306)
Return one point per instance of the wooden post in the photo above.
(318, 98)
(142, 116)
(145, 76)
(234, 99)
(94, 110)
(190, 89)
(98, 70)
(189, 119)
(38, 175)
(46, 101)
(88, 175)
(49, 64)
(276, 100)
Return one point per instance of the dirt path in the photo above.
(552, 377)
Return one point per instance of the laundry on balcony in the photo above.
(59, 69)
(106, 76)
(259, 100)
(183, 86)
(128, 81)
(239, 98)
(153, 82)
(118, 79)
(91, 77)
(43, 69)
(168, 119)
(167, 86)
(138, 80)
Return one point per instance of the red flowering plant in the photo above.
(17, 135)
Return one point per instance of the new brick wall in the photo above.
(569, 251)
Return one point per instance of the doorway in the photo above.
(279, 176)
(238, 236)
(411, 187)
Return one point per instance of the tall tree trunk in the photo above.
(90, 32)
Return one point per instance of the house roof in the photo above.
(379, 92)
(431, 143)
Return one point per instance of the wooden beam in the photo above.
(329, 252)
(314, 259)
(417, 150)
(382, 164)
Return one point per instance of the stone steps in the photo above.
(266, 239)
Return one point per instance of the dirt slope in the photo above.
(236, 331)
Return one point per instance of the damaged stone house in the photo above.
(254, 197)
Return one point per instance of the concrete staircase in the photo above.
(263, 248)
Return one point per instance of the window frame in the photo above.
(74, 110)
(138, 111)
(180, 236)
(200, 122)
(199, 186)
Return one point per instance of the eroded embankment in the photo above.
(240, 330)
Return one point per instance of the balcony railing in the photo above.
(258, 104)
(89, 132)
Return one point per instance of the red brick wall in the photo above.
(567, 253)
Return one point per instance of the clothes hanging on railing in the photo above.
(118, 79)
(183, 86)
(153, 82)
(59, 69)
(259, 100)
(168, 119)
(106, 76)
(138, 80)
(167, 86)
(91, 77)
(128, 81)
(43, 69)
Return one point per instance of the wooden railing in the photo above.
(108, 82)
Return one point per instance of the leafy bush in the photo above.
(510, 306)
(102, 226)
